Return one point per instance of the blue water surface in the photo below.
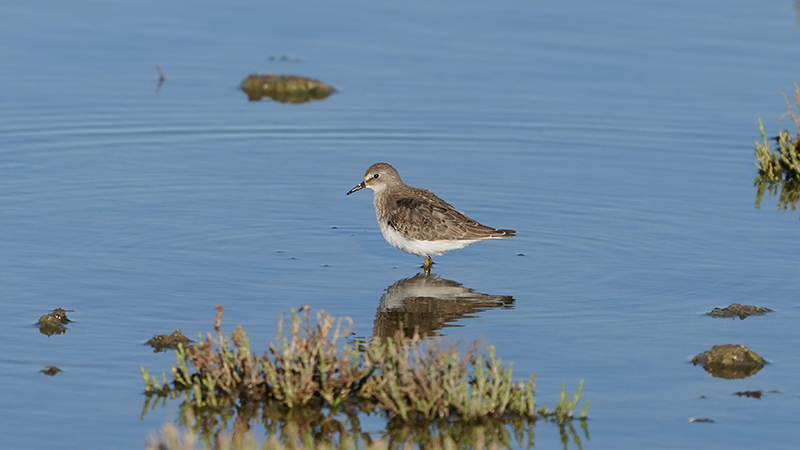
(616, 138)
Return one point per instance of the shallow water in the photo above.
(617, 139)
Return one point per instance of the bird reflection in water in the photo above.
(427, 303)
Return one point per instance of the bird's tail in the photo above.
(503, 233)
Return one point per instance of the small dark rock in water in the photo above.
(50, 370)
(751, 394)
(161, 78)
(737, 310)
(162, 342)
(285, 88)
(53, 323)
(730, 361)
(284, 58)
(700, 419)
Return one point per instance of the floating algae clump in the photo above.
(285, 88)
(730, 361)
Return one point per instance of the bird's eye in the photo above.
(376, 175)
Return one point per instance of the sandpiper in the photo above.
(416, 221)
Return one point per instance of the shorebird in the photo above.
(416, 221)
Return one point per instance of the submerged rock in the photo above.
(738, 310)
(730, 361)
(285, 88)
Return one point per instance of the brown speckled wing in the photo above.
(426, 217)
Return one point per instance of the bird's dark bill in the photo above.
(358, 187)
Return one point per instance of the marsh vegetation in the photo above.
(314, 385)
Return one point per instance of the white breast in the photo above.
(420, 248)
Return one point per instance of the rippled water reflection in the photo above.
(426, 304)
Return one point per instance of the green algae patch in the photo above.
(285, 88)
(164, 342)
(730, 361)
(53, 322)
(739, 310)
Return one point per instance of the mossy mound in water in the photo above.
(53, 322)
(740, 311)
(162, 342)
(285, 88)
(730, 361)
(50, 370)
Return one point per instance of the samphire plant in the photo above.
(784, 163)
(407, 378)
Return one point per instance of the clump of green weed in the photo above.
(769, 164)
(780, 168)
(783, 164)
(405, 377)
(308, 367)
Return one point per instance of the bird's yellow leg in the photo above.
(427, 265)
